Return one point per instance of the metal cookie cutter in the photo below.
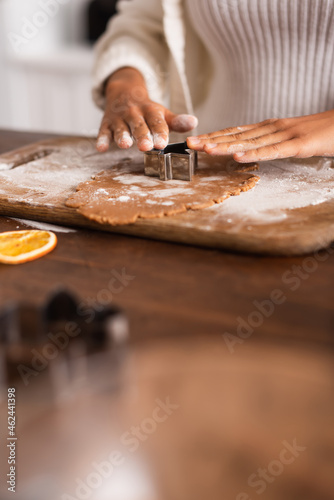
(73, 346)
(176, 161)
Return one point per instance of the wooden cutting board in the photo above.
(289, 212)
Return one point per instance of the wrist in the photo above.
(124, 79)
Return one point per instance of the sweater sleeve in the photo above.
(134, 37)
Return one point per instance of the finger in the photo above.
(122, 135)
(226, 131)
(245, 128)
(228, 148)
(286, 149)
(233, 134)
(158, 126)
(104, 137)
(139, 130)
(252, 134)
(236, 130)
(180, 123)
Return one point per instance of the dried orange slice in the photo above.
(17, 247)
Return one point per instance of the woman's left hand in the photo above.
(300, 137)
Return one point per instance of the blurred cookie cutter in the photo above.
(176, 162)
(24, 326)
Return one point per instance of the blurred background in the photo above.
(46, 59)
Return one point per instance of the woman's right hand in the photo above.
(130, 115)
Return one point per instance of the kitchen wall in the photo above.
(45, 67)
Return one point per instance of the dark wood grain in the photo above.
(10, 140)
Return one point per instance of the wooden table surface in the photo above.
(237, 412)
(178, 289)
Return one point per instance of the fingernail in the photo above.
(194, 140)
(184, 123)
(146, 145)
(147, 141)
(102, 141)
(211, 146)
(160, 141)
(125, 140)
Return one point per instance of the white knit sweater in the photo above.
(230, 61)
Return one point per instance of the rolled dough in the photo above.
(123, 194)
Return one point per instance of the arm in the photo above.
(134, 38)
(130, 80)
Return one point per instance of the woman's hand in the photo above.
(131, 115)
(301, 137)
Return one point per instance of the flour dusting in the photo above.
(129, 179)
(44, 226)
(166, 193)
(6, 166)
(283, 185)
(33, 183)
(102, 191)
